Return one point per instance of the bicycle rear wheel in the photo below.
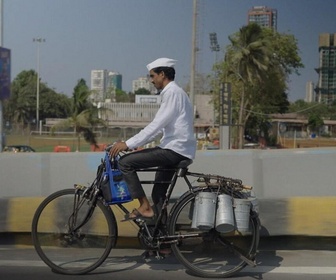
(64, 244)
(209, 253)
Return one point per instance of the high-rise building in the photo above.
(326, 88)
(264, 16)
(104, 83)
(114, 80)
(143, 82)
(98, 84)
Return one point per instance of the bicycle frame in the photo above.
(183, 173)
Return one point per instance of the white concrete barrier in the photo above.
(296, 187)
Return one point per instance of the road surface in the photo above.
(22, 262)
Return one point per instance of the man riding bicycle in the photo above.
(174, 120)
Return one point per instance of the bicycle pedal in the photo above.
(147, 255)
(159, 257)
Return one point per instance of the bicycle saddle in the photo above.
(185, 163)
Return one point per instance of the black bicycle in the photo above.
(83, 230)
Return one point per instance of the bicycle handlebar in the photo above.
(108, 148)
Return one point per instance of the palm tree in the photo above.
(84, 116)
(248, 59)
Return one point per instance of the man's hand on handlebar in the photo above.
(117, 148)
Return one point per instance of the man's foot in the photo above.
(135, 214)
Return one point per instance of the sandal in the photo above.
(135, 215)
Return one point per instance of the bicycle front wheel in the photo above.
(210, 253)
(64, 242)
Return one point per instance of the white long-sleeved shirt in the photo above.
(174, 120)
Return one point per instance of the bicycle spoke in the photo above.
(210, 253)
(65, 240)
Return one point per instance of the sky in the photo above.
(125, 35)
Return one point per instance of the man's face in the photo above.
(157, 79)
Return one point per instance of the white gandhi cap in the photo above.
(161, 62)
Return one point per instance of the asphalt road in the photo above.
(276, 260)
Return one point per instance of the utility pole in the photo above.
(1, 107)
(214, 46)
(38, 40)
(193, 57)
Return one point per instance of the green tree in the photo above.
(20, 108)
(142, 91)
(258, 63)
(285, 51)
(53, 104)
(299, 106)
(306, 109)
(332, 110)
(122, 96)
(247, 61)
(315, 122)
(314, 112)
(84, 116)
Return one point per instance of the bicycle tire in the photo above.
(77, 252)
(212, 254)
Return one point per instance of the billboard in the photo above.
(4, 73)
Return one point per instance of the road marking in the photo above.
(293, 270)
(314, 270)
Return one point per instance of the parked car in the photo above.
(252, 146)
(18, 149)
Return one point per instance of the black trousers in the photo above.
(151, 157)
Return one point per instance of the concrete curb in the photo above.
(16, 215)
